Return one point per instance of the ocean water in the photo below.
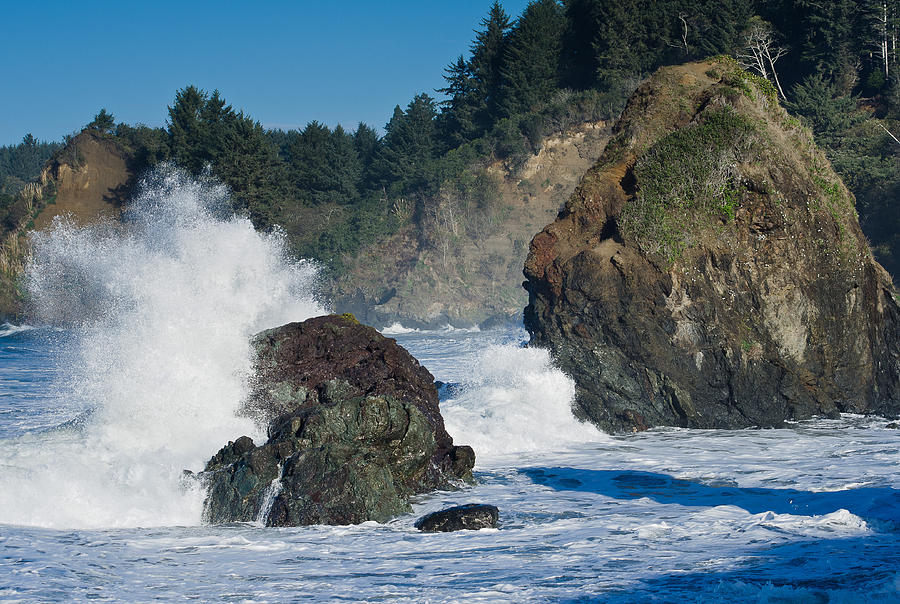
(136, 364)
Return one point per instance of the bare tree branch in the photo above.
(760, 51)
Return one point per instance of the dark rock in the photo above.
(354, 430)
(710, 271)
(472, 516)
(893, 426)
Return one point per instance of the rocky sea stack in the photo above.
(354, 431)
(709, 271)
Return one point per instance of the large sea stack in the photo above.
(354, 431)
(710, 272)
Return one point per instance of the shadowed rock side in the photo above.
(710, 271)
(354, 431)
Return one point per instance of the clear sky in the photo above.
(283, 63)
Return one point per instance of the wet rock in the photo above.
(710, 272)
(354, 429)
(472, 516)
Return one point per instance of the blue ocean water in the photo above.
(806, 514)
(140, 363)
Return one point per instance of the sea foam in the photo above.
(161, 306)
(515, 400)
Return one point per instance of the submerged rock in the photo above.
(472, 516)
(354, 431)
(710, 271)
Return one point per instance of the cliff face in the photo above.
(87, 179)
(468, 267)
(90, 177)
(709, 271)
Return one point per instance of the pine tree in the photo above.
(217, 121)
(620, 46)
(325, 164)
(531, 67)
(457, 121)
(486, 65)
(405, 160)
(185, 129)
(823, 33)
(103, 122)
(367, 144)
(715, 25)
(579, 62)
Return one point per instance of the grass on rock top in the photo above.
(685, 181)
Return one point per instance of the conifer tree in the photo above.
(325, 164)
(531, 66)
(486, 66)
(579, 61)
(458, 120)
(103, 122)
(185, 129)
(366, 142)
(405, 160)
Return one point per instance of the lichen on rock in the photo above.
(710, 271)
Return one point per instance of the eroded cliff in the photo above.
(467, 267)
(88, 179)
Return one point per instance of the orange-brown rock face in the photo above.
(709, 271)
(91, 177)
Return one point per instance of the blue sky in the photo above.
(283, 63)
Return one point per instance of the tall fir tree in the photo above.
(532, 61)
(457, 121)
(486, 66)
(405, 160)
(185, 129)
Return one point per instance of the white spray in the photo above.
(162, 306)
(515, 401)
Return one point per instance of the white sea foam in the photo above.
(514, 400)
(396, 328)
(8, 329)
(162, 306)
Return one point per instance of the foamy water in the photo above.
(159, 311)
(806, 514)
(99, 417)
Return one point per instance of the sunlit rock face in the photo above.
(709, 271)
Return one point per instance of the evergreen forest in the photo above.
(834, 63)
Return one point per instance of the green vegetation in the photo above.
(558, 64)
(103, 122)
(748, 83)
(22, 163)
(686, 180)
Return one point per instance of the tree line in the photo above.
(834, 63)
(20, 164)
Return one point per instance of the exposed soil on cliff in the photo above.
(88, 179)
(91, 179)
(470, 267)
